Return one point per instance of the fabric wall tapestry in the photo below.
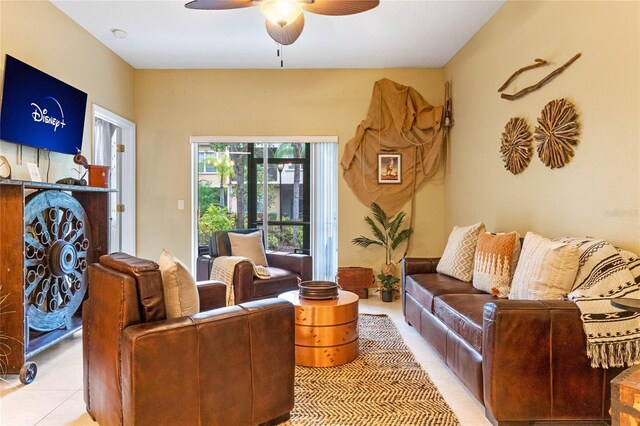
(399, 121)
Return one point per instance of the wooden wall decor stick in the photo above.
(537, 63)
(516, 146)
(542, 82)
(556, 133)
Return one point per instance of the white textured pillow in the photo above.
(250, 246)
(457, 259)
(180, 291)
(546, 269)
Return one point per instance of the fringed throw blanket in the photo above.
(222, 270)
(613, 335)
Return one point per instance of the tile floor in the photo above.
(55, 397)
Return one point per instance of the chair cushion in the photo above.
(249, 246)
(495, 262)
(462, 314)
(424, 287)
(458, 256)
(180, 291)
(546, 269)
(281, 281)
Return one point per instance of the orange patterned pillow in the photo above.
(495, 262)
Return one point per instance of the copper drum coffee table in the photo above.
(326, 330)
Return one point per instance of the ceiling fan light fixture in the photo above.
(281, 12)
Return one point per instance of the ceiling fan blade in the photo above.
(218, 4)
(339, 7)
(289, 33)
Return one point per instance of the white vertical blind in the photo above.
(324, 211)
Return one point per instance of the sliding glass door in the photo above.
(285, 168)
(286, 186)
(234, 180)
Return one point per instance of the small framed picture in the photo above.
(389, 168)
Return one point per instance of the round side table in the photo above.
(326, 330)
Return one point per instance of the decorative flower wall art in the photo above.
(516, 146)
(556, 133)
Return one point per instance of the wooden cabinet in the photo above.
(45, 248)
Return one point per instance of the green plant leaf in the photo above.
(387, 281)
(380, 215)
(363, 241)
(402, 236)
(395, 224)
(376, 231)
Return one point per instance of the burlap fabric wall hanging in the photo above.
(399, 121)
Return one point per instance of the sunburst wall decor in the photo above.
(516, 146)
(556, 133)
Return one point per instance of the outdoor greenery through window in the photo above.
(240, 183)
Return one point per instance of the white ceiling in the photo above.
(398, 33)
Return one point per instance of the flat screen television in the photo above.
(39, 110)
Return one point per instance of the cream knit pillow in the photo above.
(457, 259)
(250, 246)
(546, 269)
(180, 292)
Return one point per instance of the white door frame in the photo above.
(128, 164)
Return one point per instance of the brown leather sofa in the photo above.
(228, 366)
(525, 361)
(285, 268)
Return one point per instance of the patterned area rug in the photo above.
(383, 386)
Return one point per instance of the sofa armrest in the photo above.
(419, 265)
(210, 359)
(243, 282)
(301, 264)
(203, 268)
(213, 294)
(535, 366)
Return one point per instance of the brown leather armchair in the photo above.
(227, 366)
(285, 270)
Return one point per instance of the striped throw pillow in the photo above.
(546, 269)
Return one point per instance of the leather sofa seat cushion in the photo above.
(462, 314)
(424, 287)
(281, 281)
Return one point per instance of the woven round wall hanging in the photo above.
(556, 133)
(515, 145)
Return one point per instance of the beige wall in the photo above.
(173, 105)
(598, 192)
(38, 33)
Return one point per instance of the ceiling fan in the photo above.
(285, 20)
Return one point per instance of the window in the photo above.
(205, 161)
(268, 185)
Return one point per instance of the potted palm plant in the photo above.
(387, 235)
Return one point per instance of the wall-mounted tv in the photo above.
(39, 110)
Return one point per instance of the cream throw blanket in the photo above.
(613, 335)
(222, 270)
